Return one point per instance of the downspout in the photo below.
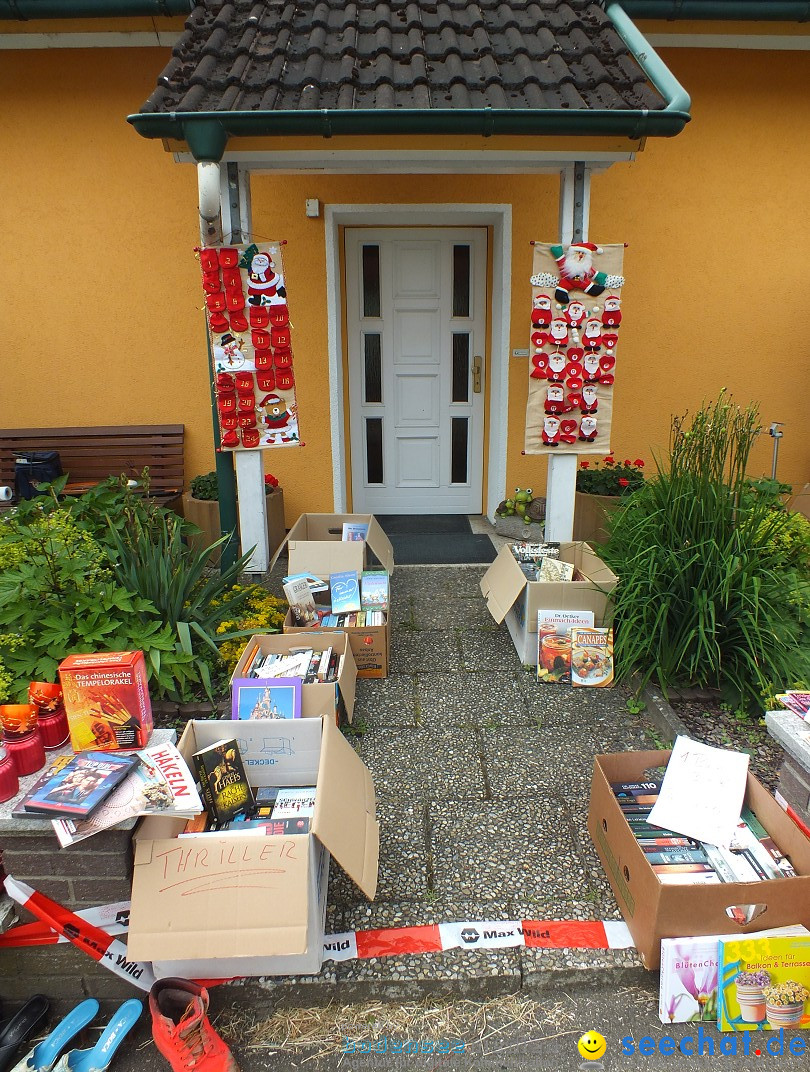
(649, 61)
(705, 10)
(25, 10)
(208, 196)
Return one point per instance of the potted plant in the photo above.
(201, 507)
(600, 488)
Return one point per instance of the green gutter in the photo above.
(650, 62)
(741, 10)
(24, 10)
(207, 133)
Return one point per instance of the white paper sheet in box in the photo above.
(211, 906)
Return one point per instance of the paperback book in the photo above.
(345, 592)
(302, 603)
(82, 784)
(374, 590)
(294, 803)
(798, 702)
(592, 657)
(277, 697)
(223, 783)
(355, 531)
(161, 784)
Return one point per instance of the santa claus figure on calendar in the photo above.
(264, 283)
(587, 429)
(578, 271)
(551, 432)
(541, 311)
(612, 315)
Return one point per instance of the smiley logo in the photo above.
(592, 1046)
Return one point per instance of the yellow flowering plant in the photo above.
(261, 612)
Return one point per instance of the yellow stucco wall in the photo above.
(102, 298)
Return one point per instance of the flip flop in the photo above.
(99, 1056)
(21, 1027)
(43, 1056)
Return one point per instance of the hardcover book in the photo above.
(277, 697)
(161, 784)
(374, 590)
(592, 657)
(81, 785)
(345, 592)
(554, 642)
(223, 783)
(764, 983)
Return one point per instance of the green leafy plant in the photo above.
(156, 563)
(261, 612)
(205, 487)
(610, 477)
(704, 597)
(58, 596)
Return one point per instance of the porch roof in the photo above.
(450, 67)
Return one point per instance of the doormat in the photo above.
(445, 524)
(441, 549)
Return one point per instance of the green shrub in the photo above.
(205, 487)
(704, 596)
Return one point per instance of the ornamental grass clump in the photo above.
(704, 595)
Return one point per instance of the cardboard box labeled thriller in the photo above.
(214, 906)
(653, 910)
(106, 696)
(512, 597)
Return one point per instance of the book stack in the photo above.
(797, 702)
(304, 664)
(271, 811)
(752, 857)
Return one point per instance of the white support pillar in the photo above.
(575, 197)
(234, 195)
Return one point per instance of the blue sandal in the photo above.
(43, 1056)
(98, 1057)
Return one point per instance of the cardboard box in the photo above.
(315, 545)
(371, 645)
(512, 597)
(106, 696)
(330, 698)
(800, 501)
(214, 906)
(654, 911)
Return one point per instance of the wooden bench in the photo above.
(90, 455)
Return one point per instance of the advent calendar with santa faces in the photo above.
(251, 345)
(575, 322)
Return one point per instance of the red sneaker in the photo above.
(182, 1031)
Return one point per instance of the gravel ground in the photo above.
(710, 723)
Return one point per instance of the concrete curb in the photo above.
(662, 714)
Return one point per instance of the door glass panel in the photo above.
(371, 280)
(461, 280)
(461, 366)
(374, 450)
(458, 450)
(372, 368)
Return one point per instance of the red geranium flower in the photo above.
(270, 481)
(623, 481)
(584, 465)
(639, 464)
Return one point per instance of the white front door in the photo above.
(416, 322)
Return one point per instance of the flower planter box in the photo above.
(590, 512)
(204, 513)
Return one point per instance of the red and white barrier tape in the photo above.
(93, 940)
(91, 930)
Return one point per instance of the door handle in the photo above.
(476, 371)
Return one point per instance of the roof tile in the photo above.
(278, 55)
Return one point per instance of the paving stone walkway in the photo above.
(483, 781)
